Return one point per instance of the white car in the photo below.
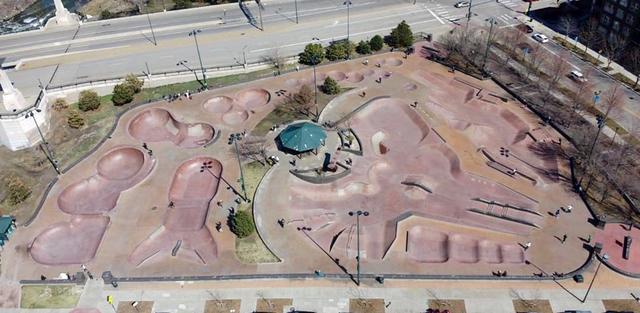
(577, 76)
(462, 4)
(540, 38)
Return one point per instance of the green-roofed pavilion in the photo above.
(302, 137)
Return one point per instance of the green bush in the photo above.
(134, 82)
(18, 190)
(363, 47)
(339, 50)
(312, 54)
(60, 104)
(106, 14)
(182, 4)
(88, 101)
(330, 86)
(376, 43)
(401, 36)
(242, 224)
(74, 120)
(122, 94)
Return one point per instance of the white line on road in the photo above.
(437, 18)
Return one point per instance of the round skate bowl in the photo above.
(392, 62)
(355, 77)
(218, 104)
(120, 164)
(73, 242)
(157, 125)
(118, 170)
(337, 75)
(368, 72)
(253, 99)
(236, 117)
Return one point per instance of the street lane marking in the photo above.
(437, 18)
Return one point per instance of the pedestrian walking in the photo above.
(527, 246)
(564, 238)
(557, 213)
(569, 208)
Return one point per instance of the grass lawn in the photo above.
(49, 296)
(251, 249)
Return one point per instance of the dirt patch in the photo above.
(273, 305)
(140, 307)
(95, 7)
(540, 306)
(50, 296)
(222, 306)
(366, 305)
(454, 306)
(628, 305)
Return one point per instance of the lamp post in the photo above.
(348, 4)
(47, 151)
(260, 14)
(315, 81)
(234, 138)
(155, 42)
(296, 5)
(357, 214)
(491, 20)
(194, 33)
(184, 63)
(206, 166)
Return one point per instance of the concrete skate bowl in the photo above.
(355, 77)
(521, 128)
(183, 228)
(368, 72)
(296, 82)
(235, 118)
(158, 125)
(376, 120)
(463, 249)
(391, 62)
(337, 75)
(253, 99)
(118, 170)
(218, 104)
(73, 242)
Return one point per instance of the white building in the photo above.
(18, 118)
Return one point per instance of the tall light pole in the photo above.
(296, 4)
(194, 33)
(184, 63)
(315, 81)
(491, 20)
(47, 151)
(357, 214)
(348, 4)
(466, 28)
(235, 138)
(155, 42)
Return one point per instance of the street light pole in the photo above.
(235, 138)
(315, 81)
(155, 42)
(260, 14)
(296, 4)
(348, 4)
(194, 33)
(486, 51)
(466, 28)
(357, 214)
(46, 150)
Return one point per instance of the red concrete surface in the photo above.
(119, 169)
(191, 191)
(398, 146)
(612, 239)
(236, 109)
(155, 125)
(72, 242)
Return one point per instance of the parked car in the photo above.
(577, 76)
(540, 38)
(462, 4)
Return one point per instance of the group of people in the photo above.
(178, 96)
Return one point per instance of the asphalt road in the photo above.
(114, 48)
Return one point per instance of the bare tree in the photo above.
(633, 62)
(511, 38)
(613, 48)
(590, 34)
(558, 67)
(276, 59)
(568, 24)
(253, 148)
(534, 59)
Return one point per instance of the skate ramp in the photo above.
(73, 242)
(219, 104)
(158, 125)
(118, 170)
(355, 77)
(253, 99)
(183, 231)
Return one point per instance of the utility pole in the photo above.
(296, 4)
(489, 39)
(315, 81)
(194, 33)
(348, 4)
(357, 214)
(155, 42)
